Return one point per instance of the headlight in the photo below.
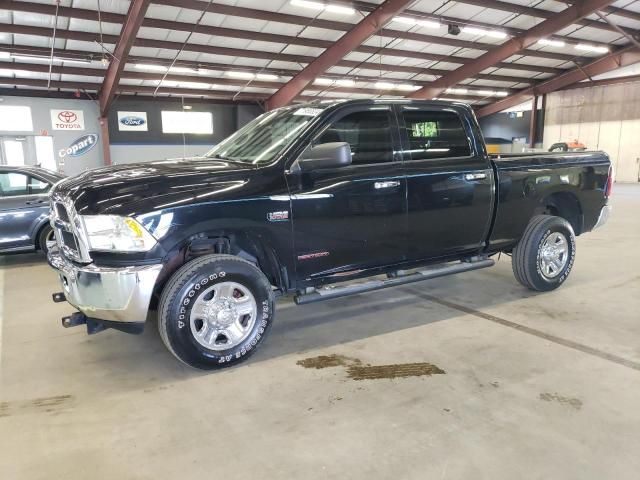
(112, 233)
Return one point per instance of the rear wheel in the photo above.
(543, 258)
(215, 311)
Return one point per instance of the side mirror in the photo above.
(325, 155)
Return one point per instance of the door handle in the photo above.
(475, 176)
(388, 184)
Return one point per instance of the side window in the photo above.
(368, 133)
(37, 186)
(434, 134)
(13, 184)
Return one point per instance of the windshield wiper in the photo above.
(228, 159)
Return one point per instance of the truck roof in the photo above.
(372, 101)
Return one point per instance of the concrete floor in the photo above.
(536, 386)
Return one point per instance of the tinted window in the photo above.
(12, 184)
(367, 133)
(37, 186)
(435, 135)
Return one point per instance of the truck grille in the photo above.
(65, 223)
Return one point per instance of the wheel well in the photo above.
(565, 205)
(238, 244)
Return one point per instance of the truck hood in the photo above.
(143, 187)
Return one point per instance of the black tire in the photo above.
(192, 281)
(527, 255)
(44, 235)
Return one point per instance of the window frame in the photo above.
(406, 144)
(40, 179)
(340, 113)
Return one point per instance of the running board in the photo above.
(336, 292)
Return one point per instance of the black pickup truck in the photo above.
(304, 200)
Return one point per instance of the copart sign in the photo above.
(67, 119)
(80, 146)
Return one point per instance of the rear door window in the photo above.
(13, 184)
(435, 134)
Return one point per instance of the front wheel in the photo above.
(46, 235)
(544, 256)
(215, 311)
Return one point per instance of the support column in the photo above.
(533, 125)
(106, 145)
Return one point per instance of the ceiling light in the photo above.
(266, 76)
(47, 59)
(417, 21)
(187, 107)
(483, 32)
(395, 86)
(238, 74)
(182, 70)
(194, 85)
(407, 87)
(155, 68)
(551, 43)
(345, 82)
(459, 91)
(323, 81)
(322, 6)
(591, 48)
(162, 68)
(5, 55)
(487, 93)
(502, 94)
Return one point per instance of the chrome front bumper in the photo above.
(605, 212)
(113, 294)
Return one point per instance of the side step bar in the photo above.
(336, 292)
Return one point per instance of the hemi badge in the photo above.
(282, 216)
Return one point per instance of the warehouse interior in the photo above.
(521, 384)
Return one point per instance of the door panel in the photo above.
(21, 212)
(354, 217)
(449, 184)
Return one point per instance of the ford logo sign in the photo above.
(131, 121)
(80, 146)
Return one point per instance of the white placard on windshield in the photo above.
(308, 112)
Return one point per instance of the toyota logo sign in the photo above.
(67, 117)
(64, 119)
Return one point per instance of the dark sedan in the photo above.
(24, 208)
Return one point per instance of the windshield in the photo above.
(262, 140)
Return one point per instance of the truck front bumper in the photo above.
(103, 293)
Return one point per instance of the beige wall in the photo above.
(603, 118)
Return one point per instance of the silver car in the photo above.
(24, 208)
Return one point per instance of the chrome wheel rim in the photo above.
(223, 316)
(554, 255)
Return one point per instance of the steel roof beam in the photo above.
(213, 81)
(243, 12)
(117, 62)
(621, 58)
(511, 47)
(350, 41)
(18, 49)
(195, 92)
(239, 52)
(546, 14)
(285, 39)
